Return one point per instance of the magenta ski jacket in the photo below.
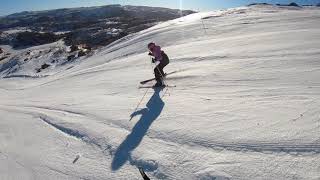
(157, 53)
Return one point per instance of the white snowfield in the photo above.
(246, 104)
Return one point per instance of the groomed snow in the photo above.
(245, 106)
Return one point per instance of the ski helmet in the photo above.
(151, 45)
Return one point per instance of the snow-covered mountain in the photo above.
(65, 35)
(245, 106)
(94, 26)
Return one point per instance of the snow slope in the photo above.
(246, 105)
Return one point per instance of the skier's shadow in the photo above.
(152, 111)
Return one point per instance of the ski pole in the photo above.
(139, 103)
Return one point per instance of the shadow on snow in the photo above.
(152, 111)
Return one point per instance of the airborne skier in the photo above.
(161, 60)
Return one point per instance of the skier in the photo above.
(161, 60)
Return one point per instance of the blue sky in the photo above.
(12, 6)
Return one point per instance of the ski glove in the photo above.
(153, 60)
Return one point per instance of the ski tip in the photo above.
(143, 174)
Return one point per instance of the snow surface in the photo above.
(246, 105)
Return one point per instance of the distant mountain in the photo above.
(254, 4)
(94, 26)
(291, 4)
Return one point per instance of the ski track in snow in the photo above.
(190, 140)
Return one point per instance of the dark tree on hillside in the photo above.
(26, 39)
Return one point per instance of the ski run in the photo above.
(246, 103)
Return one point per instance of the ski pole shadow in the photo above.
(148, 114)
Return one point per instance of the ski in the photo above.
(152, 79)
(154, 87)
(143, 174)
(148, 80)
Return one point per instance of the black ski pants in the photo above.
(158, 70)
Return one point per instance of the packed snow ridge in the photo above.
(245, 106)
